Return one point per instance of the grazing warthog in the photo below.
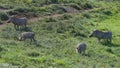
(27, 35)
(81, 48)
(18, 21)
(102, 35)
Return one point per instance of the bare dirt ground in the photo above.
(31, 20)
(35, 19)
(5, 10)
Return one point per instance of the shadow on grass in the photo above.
(36, 43)
(87, 55)
(110, 44)
(26, 29)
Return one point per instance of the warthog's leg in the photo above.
(110, 40)
(34, 39)
(30, 40)
(25, 25)
(99, 40)
(79, 51)
(24, 39)
(107, 40)
(14, 26)
(83, 53)
(18, 27)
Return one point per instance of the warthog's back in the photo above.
(28, 34)
(104, 35)
(20, 21)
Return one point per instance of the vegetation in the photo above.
(58, 32)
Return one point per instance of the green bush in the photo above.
(86, 15)
(87, 5)
(107, 12)
(22, 9)
(51, 1)
(58, 9)
(0, 21)
(9, 33)
(1, 49)
(50, 19)
(33, 54)
(3, 16)
(61, 27)
(76, 6)
(66, 16)
(12, 12)
(109, 50)
(6, 6)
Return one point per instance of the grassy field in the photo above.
(58, 35)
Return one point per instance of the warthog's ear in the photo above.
(19, 38)
(94, 29)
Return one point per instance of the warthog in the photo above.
(27, 35)
(18, 21)
(81, 48)
(102, 35)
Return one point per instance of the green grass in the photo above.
(57, 38)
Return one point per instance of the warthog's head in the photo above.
(20, 39)
(94, 33)
(81, 47)
(11, 18)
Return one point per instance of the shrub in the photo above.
(1, 49)
(66, 16)
(107, 12)
(6, 6)
(9, 33)
(3, 16)
(51, 1)
(76, 6)
(50, 19)
(76, 33)
(12, 12)
(33, 54)
(86, 15)
(0, 22)
(87, 5)
(109, 50)
(22, 9)
(58, 8)
(61, 27)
